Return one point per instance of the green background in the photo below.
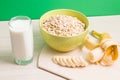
(35, 8)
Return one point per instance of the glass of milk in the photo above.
(21, 39)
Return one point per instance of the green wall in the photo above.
(35, 8)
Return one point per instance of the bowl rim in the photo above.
(86, 27)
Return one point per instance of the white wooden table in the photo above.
(11, 71)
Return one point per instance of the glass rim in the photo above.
(19, 18)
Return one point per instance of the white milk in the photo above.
(22, 39)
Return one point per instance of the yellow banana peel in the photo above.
(108, 45)
(110, 48)
(101, 36)
(106, 61)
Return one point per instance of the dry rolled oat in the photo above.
(63, 25)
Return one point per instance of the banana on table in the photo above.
(105, 51)
(70, 61)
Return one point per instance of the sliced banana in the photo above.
(55, 59)
(82, 61)
(69, 61)
(75, 61)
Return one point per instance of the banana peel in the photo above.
(110, 48)
(101, 36)
(108, 45)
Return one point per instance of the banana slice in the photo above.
(69, 61)
(83, 63)
(75, 61)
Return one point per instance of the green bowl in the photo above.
(61, 43)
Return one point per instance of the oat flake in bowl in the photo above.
(63, 25)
